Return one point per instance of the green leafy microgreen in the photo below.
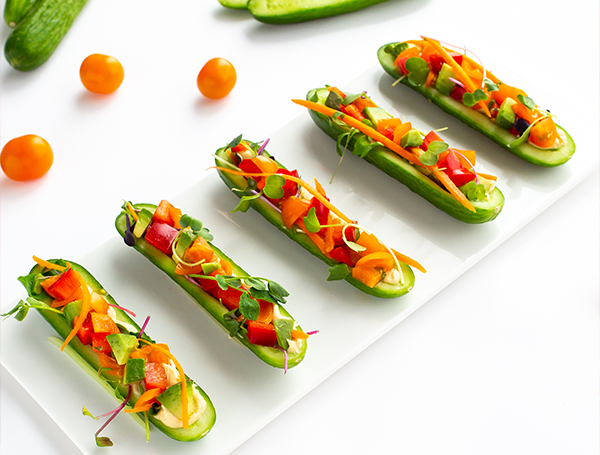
(85, 412)
(490, 86)
(222, 282)
(363, 145)
(249, 307)
(235, 142)
(231, 323)
(430, 157)
(22, 308)
(314, 97)
(244, 203)
(274, 186)
(334, 101)
(283, 329)
(205, 234)
(255, 283)
(418, 71)
(368, 122)
(278, 291)
(252, 184)
(338, 272)
(103, 441)
(262, 295)
(526, 101)
(191, 222)
(311, 222)
(351, 98)
(471, 99)
(473, 191)
(394, 49)
(345, 137)
(338, 117)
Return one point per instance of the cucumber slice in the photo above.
(234, 4)
(214, 307)
(85, 354)
(481, 123)
(290, 11)
(382, 289)
(398, 168)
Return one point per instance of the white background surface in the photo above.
(504, 360)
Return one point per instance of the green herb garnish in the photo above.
(471, 99)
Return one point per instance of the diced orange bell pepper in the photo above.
(58, 303)
(299, 335)
(163, 213)
(361, 103)
(469, 154)
(66, 284)
(370, 242)
(354, 112)
(293, 208)
(367, 275)
(110, 365)
(381, 259)
(175, 215)
(388, 122)
(103, 323)
(99, 303)
(401, 130)
(506, 91)
(524, 112)
(410, 52)
(265, 164)
(427, 51)
(227, 267)
(199, 250)
(48, 282)
(182, 269)
(151, 354)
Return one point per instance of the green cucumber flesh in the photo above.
(82, 353)
(290, 11)
(481, 123)
(16, 10)
(214, 307)
(38, 35)
(234, 4)
(382, 289)
(399, 169)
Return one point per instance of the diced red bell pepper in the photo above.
(156, 376)
(429, 138)
(401, 63)
(450, 163)
(337, 235)
(262, 334)
(85, 332)
(239, 148)
(161, 236)
(437, 60)
(341, 254)
(99, 342)
(461, 177)
(290, 188)
(250, 167)
(321, 210)
(162, 214)
(457, 92)
(230, 297)
(209, 286)
(66, 285)
(353, 111)
(389, 132)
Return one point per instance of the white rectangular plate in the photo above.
(247, 393)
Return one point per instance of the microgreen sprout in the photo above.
(22, 308)
(525, 134)
(526, 101)
(471, 99)
(397, 81)
(434, 149)
(418, 70)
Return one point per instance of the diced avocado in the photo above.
(122, 346)
(376, 114)
(411, 139)
(144, 218)
(210, 267)
(333, 100)
(186, 238)
(506, 116)
(171, 399)
(135, 370)
(443, 83)
(72, 310)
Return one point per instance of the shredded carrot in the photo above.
(144, 402)
(363, 128)
(318, 241)
(429, 80)
(409, 261)
(48, 265)
(132, 211)
(299, 335)
(460, 73)
(487, 176)
(185, 418)
(453, 189)
(85, 308)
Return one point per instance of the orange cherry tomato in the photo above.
(543, 134)
(101, 73)
(216, 78)
(26, 157)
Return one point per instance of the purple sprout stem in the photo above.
(262, 147)
(114, 412)
(144, 326)
(285, 359)
(123, 309)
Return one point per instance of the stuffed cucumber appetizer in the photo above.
(444, 176)
(461, 86)
(249, 308)
(101, 337)
(305, 214)
(291, 11)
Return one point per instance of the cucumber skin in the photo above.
(481, 123)
(234, 4)
(196, 431)
(261, 10)
(397, 168)
(16, 10)
(382, 290)
(215, 309)
(34, 40)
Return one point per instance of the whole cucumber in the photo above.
(39, 34)
(16, 10)
(234, 4)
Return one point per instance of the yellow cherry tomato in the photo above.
(101, 73)
(216, 78)
(26, 157)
